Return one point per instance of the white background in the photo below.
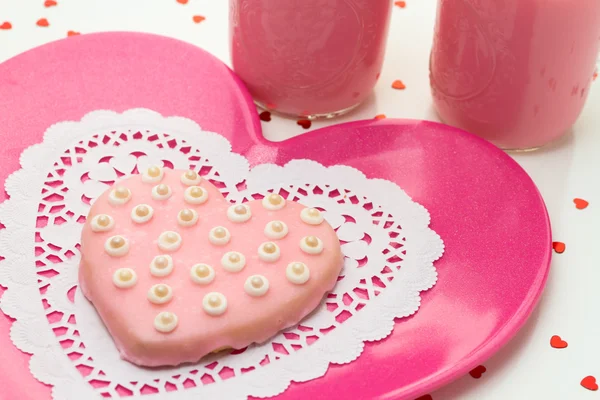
(528, 368)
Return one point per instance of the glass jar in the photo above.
(516, 72)
(310, 58)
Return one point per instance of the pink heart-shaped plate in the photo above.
(487, 210)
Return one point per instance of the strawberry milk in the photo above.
(516, 72)
(309, 57)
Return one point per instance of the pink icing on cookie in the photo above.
(242, 285)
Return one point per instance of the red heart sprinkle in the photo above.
(73, 33)
(557, 342)
(6, 26)
(182, 1)
(425, 397)
(380, 116)
(42, 22)
(50, 3)
(589, 382)
(477, 371)
(398, 85)
(305, 123)
(265, 116)
(559, 247)
(198, 18)
(400, 4)
(595, 75)
(580, 203)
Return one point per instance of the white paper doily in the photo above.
(385, 237)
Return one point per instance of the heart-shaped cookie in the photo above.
(176, 271)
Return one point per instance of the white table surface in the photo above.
(527, 368)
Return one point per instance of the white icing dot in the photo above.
(311, 216)
(202, 274)
(233, 261)
(190, 178)
(124, 278)
(102, 223)
(195, 195)
(116, 246)
(239, 213)
(187, 217)
(276, 230)
(165, 321)
(311, 245)
(161, 192)
(273, 202)
(219, 236)
(142, 213)
(256, 285)
(169, 241)
(214, 303)
(269, 252)
(153, 174)
(119, 196)
(297, 273)
(160, 294)
(161, 265)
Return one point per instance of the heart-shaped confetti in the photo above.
(557, 342)
(580, 204)
(305, 123)
(477, 371)
(265, 116)
(425, 397)
(50, 3)
(589, 382)
(43, 22)
(559, 247)
(73, 33)
(182, 1)
(400, 4)
(398, 85)
(6, 26)
(166, 240)
(198, 18)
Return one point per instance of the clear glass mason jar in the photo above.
(516, 72)
(310, 58)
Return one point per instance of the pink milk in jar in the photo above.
(516, 72)
(309, 57)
